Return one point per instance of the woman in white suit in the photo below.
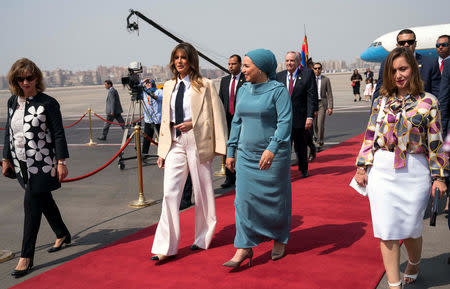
(193, 131)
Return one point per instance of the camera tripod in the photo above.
(135, 109)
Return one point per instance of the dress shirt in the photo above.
(440, 59)
(186, 99)
(235, 83)
(294, 75)
(319, 82)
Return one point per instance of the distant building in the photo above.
(3, 82)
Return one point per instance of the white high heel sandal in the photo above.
(413, 276)
(399, 283)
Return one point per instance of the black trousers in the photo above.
(111, 118)
(309, 139)
(36, 204)
(149, 129)
(298, 137)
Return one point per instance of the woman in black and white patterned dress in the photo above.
(35, 150)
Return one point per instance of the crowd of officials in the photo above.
(253, 120)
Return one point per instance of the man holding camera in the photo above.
(152, 97)
(113, 109)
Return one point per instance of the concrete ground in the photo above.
(96, 209)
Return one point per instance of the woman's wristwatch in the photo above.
(64, 163)
(361, 169)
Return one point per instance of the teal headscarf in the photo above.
(264, 60)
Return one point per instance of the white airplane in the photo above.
(426, 37)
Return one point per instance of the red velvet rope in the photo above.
(116, 123)
(76, 121)
(2, 128)
(102, 167)
(149, 138)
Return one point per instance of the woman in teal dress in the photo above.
(259, 148)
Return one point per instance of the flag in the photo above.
(304, 53)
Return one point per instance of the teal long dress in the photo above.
(263, 203)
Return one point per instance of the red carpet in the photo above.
(331, 244)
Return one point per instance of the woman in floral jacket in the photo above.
(35, 151)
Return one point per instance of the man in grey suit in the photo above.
(113, 108)
(325, 95)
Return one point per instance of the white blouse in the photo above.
(17, 129)
(186, 99)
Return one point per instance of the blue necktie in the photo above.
(179, 113)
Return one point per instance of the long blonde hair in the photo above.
(192, 57)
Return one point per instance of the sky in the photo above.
(82, 34)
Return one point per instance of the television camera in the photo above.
(132, 81)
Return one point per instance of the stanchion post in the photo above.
(221, 173)
(141, 202)
(90, 143)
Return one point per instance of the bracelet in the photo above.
(440, 179)
(62, 163)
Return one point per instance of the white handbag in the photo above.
(353, 183)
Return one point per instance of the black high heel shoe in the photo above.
(21, 273)
(162, 257)
(67, 242)
(234, 264)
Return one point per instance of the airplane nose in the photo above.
(367, 55)
(374, 54)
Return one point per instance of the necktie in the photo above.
(232, 97)
(291, 83)
(318, 92)
(442, 66)
(179, 113)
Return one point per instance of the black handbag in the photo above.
(434, 208)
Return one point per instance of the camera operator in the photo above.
(152, 97)
(113, 108)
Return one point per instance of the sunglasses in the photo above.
(403, 42)
(445, 44)
(317, 68)
(29, 78)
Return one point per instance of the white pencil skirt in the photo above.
(398, 197)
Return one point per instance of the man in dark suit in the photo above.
(368, 74)
(443, 50)
(428, 66)
(444, 97)
(302, 87)
(229, 86)
(113, 108)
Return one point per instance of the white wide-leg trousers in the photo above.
(182, 159)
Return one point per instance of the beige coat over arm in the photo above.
(208, 120)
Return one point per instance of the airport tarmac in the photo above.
(96, 209)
